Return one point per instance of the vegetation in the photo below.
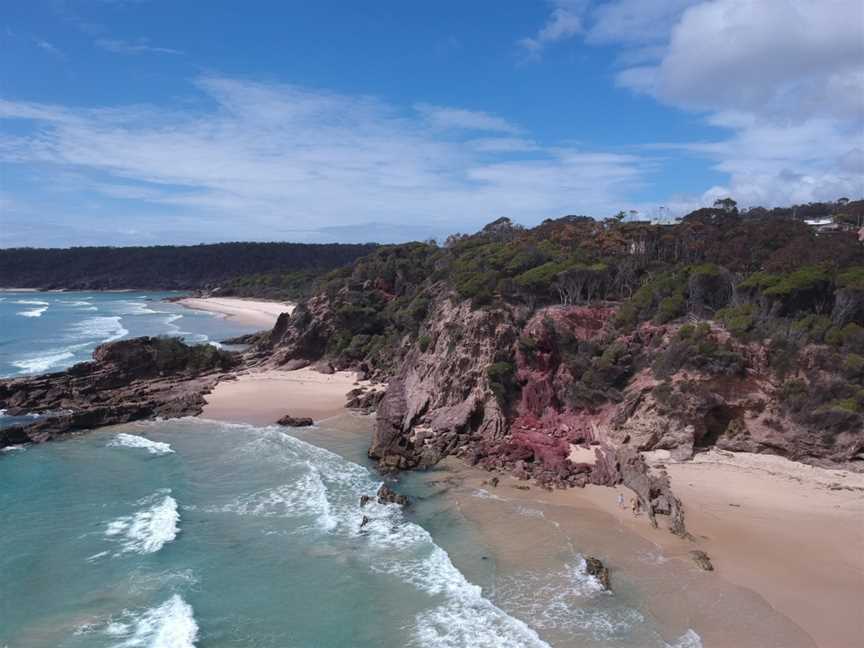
(167, 267)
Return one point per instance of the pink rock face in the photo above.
(552, 453)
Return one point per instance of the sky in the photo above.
(138, 122)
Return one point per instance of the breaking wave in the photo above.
(102, 329)
(40, 363)
(329, 491)
(169, 625)
(134, 441)
(151, 528)
(33, 312)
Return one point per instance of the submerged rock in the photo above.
(595, 567)
(387, 495)
(702, 560)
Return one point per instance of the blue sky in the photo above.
(136, 121)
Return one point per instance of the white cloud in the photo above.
(563, 23)
(460, 119)
(139, 47)
(782, 56)
(503, 145)
(268, 161)
(784, 77)
(49, 47)
(635, 22)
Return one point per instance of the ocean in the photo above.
(190, 532)
(50, 331)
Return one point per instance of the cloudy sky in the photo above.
(136, 121)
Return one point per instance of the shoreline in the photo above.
(254, 312)
(787, 546)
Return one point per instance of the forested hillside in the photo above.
(165, 267)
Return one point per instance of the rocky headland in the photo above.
(558, 354)
(127, 380)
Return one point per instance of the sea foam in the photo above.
(40, 363)
(151, 528)
(33, 312)
(170, 625)
(135, 441)
(689, 639)
(102, 329)
(407, 551)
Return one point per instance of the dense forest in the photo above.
(165, 267)
(741, 269)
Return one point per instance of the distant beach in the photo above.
(245, 311)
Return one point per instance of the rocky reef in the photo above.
(127, 380)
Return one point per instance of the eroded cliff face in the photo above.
(681, 387)
(441, 401)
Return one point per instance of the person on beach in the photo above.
(620, 500)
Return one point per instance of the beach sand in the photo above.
(786, 541)
(261, 398)
(247, 311)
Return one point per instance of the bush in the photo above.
(738, 320)
(423, 342)
(501, 380)
(853, 367)
(814, 326)
(670, 308)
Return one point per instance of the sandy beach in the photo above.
(261, 398)
(786, 541)
(247, 311)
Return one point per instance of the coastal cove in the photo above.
(511, 569)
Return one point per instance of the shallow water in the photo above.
(196, 533)
(42, 332)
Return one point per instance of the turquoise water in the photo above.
(191, 532)
(42, 332)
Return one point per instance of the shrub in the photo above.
(670, 308)
(853, 367)
(738, 320)
(501, 380)
(814, 326)
(423, 342)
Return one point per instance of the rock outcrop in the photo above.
(127, 380)
(595, 567)
(387, 495)
(441, 401)
(295, 421)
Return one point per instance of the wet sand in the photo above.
(247, 311)
(261, 398)
(786, 542)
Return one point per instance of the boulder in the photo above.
(595, 567)
(387, 495)
(295, 421)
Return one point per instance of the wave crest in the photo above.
(134, 441)
(150, 529)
